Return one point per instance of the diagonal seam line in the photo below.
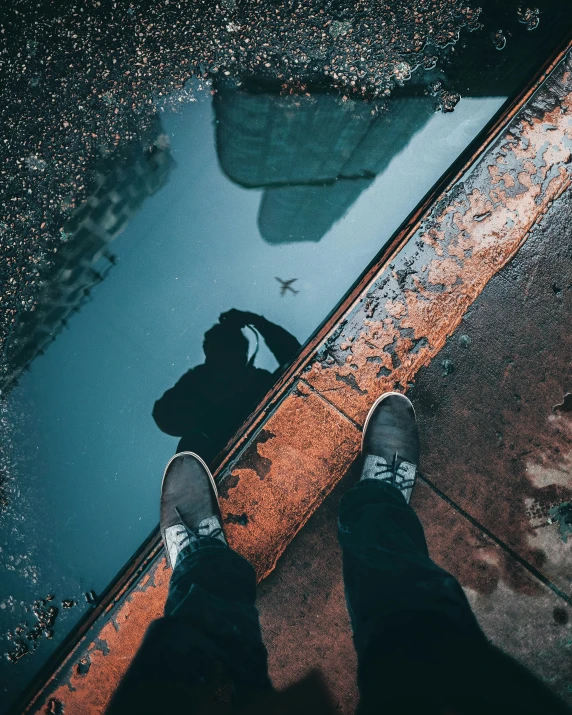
(499, 542)
(331, 404)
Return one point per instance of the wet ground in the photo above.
(162, 173)
(469, 314)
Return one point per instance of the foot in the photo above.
(390, 445)
(189, 505)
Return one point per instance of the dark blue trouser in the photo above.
(420, 649)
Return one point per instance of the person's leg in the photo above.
(388, 575)
(207, 650)
(419, 646)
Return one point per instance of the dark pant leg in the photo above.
(207, 650)
(419, 646)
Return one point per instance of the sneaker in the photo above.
(189, 505)
(390, 443)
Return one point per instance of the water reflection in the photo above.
(205, 407)
(119, 188)
(313, 154)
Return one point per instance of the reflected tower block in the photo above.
(313, 155)
(84, 259)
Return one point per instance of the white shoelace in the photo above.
(177, 537)
(402, 477)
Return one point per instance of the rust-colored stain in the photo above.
(309, 452)
(111, 651)
(399, 323)
(517, 619)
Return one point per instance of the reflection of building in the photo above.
(306, 212)
(84, 259)
(312, 155)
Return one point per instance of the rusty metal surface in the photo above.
(283, 476)
(401, 320)
(90, 678)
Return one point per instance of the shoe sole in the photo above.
(208, 471)
(375, 406)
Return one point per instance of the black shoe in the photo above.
(189, 504)
(390, 443)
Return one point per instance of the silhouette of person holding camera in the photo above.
(210, 401)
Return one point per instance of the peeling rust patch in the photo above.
(55, 707)
(566, 405)
(226, 485)
(252, 456)
(351, 381)
(240, 519)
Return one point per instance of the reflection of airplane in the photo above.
(286, 285)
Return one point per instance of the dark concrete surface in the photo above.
(497, 432)
(302, 608)
(305, 623)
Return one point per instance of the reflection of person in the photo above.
(419, 646)
(210, 402)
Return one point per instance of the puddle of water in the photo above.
(244, 201)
